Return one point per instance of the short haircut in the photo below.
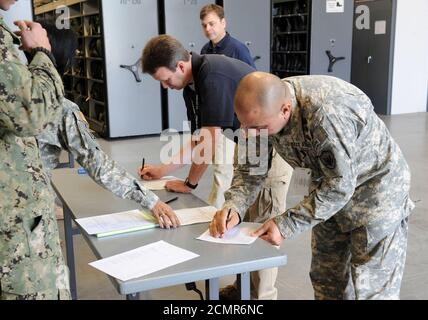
(218, 10)
(64, 44)
(163, 51)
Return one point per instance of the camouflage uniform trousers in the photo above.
(38, 271)
(364, 264)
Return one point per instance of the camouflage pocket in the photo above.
(43, 238)
(30, 276)
(33, 256)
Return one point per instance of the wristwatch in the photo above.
(45, 51)
(191, 186)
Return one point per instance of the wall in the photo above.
(21, 10)
(410, 75)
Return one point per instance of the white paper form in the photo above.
(136, 220)
(237, 235)
(157, 185)
(196, 215)
(335, 6)
(118, 222)
(143, 261)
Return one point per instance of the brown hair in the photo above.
(218, 10)
(163, 51)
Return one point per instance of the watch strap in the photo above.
(191, 186)
(45, 51)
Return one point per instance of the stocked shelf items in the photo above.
(290, 37)
(84, 83)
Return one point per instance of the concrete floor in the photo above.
(411, 133)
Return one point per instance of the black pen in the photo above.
(172, 200)
(228, 217)
(144, 162)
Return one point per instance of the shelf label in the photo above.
(134, 2)
(335, 6)
(380, 27)
(191, 2)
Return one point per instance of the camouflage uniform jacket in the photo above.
(71, 133)
(30, 97)
(359, 175)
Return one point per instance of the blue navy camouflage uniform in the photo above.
(31, 262)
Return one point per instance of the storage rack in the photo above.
(290, 52)
(85, 82)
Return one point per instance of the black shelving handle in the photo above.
(133, 69)
(332, 60)
(256, 58)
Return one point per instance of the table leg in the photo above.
(134, 296)
(68, 231)
(70, 161)
(243, 281)
(212, 288)
(69, 164)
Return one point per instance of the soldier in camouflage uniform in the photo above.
(358, 205)
(72, 133)
(271, 200)
(31, 262)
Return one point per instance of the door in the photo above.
(372, 45)
(331, 30)
(134, 108)
(182, 22)
(255, 33)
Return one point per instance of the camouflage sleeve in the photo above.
(334, 151)
(107, 173)
(30, 96)
(248, 178)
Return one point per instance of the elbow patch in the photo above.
(327, 159)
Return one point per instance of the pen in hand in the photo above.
(228, 217)
(142, 166)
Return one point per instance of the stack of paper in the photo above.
(116, 223)
(143, 261)
(136, 220)
(157, 185)
(196, 215)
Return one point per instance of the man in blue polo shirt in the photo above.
(271, 200)
(213, 24)
(221, 42)
(209, 83)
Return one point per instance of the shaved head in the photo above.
(263, 101)
(263, 91)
